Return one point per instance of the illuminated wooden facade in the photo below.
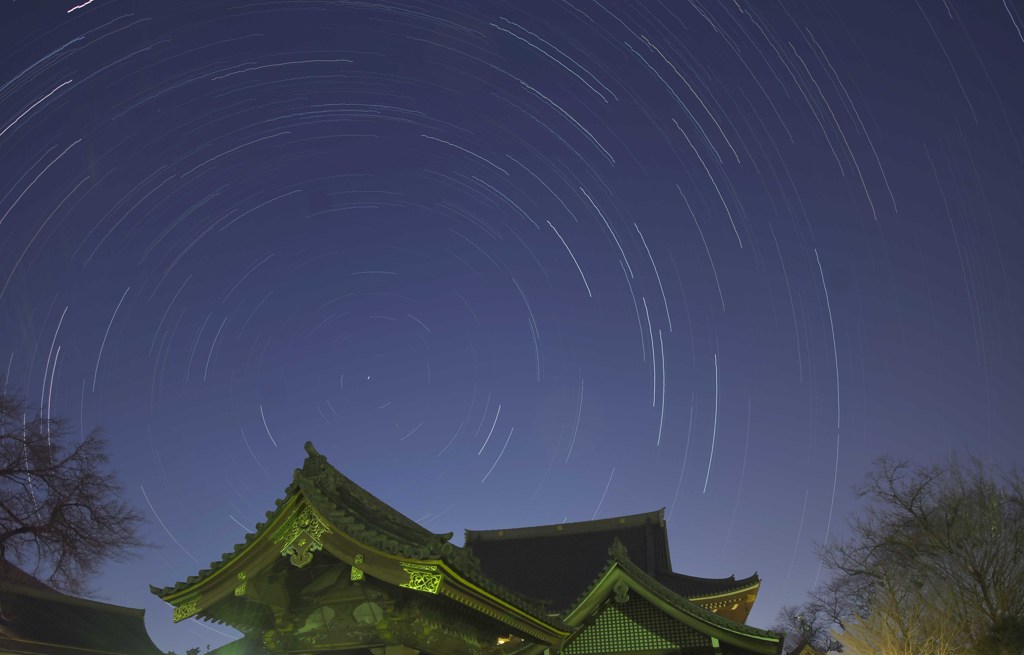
(335, 570)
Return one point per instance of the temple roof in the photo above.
(364, 518)
(690, 586)
(544, 582)
(620, 568)
(345, 504)
(556, 562)
(37, 619)
(11, 574)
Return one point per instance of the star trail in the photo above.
(409, 231)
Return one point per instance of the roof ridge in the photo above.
(696, 588)
(12, 574)
(701, 578)
(570, 527)
(316, 468)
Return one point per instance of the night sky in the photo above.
(514, 263)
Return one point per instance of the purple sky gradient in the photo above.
(515, 263)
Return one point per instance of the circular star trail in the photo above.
(511, 264)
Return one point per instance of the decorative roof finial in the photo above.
(315, 462)
(618, 550)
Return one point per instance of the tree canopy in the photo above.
(61, 511)
(933, 565)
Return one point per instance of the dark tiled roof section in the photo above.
(690, 586)
(556, 563)
(363, 507)
(48, 617)
(11, 574)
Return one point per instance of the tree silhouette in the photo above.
(808, 623)
(61, 512)
(935, 563)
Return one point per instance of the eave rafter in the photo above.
(228, 575)
(735, 603)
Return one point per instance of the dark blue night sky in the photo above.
(515, 263)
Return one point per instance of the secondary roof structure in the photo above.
(612, 582)
(556, 562)
(38, 620)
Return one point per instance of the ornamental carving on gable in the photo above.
(240, 589)
(302, 535)
(621, 592)
(422, 577)
(186, 609)
(357, 573)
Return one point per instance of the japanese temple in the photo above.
(333, 569)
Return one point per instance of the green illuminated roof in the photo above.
(350, 509)
(621, 577)
(635, 600)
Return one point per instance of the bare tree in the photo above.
(936, 562)
(61, 512)
(809, 623)
(902, 621)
